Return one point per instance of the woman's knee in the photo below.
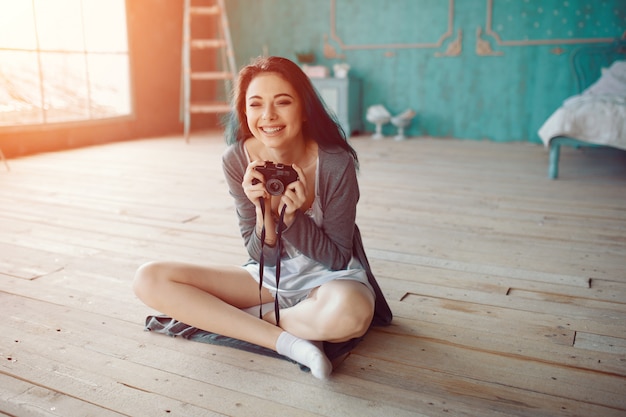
(147, 279)
(349, 310)
(359, 316)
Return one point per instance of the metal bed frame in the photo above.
(586, 63)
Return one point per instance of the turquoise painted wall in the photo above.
(504, 97)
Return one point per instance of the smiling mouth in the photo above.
(272, 129)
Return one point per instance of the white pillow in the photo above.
(611, 82)
(618, 70)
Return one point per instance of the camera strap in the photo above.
(279, 249)
(261, 259)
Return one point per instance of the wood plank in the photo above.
(26, 263)
(478, 268)
(99, 238)
(534, 338)
(605, 321)
(451, 394)
(601, 305)
(601, 343)
(534, 376)
(77, 381)
(20, 398)
(398, 271)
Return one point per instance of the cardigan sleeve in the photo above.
(332, 243)
(234, 164)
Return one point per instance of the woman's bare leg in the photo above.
(336, 311)
(210, 298)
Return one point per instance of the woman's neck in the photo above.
(302, 154)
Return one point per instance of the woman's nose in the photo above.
(268, 113)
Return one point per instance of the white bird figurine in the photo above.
(401, 121)
(378, 115)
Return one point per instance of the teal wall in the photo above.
(502, 97)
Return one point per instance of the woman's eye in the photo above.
(254, 104)
(284, 103)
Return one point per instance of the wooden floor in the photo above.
(509, 289)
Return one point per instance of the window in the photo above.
(63, 61)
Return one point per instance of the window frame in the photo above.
(46, 125)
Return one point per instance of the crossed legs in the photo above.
(211, 298)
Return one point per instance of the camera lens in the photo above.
(274, 187)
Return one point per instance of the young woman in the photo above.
(327, 295)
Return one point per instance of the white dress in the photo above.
(299, 274)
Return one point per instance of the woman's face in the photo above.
(274, 111)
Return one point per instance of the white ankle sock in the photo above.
(306, 353)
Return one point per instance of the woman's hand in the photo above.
(253, 184)
(254, 187)
(294, 197)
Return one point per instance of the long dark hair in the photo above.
(320, 124)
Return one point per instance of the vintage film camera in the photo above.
(277, 177)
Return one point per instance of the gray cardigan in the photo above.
(336, 241)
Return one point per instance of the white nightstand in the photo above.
(343, 97)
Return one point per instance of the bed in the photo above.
(596, 116)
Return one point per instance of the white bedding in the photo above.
(595, 118)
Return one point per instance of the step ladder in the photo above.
(198, 15)
(3, 159)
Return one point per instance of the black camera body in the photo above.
(277, 177)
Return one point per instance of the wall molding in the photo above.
(526, 42)
(483, 47)
(449, 32)
(454, 48)
(484, 39)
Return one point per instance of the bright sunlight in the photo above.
(63, 61)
